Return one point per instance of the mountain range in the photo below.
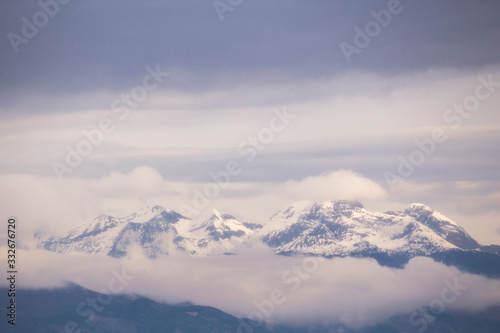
(156, 230)
(330, 229)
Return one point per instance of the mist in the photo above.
(260, 285)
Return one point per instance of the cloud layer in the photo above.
(107, 46)
(337, 184)
(351, 291)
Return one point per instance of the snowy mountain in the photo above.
(156, 230)
(442, 226)
(340, 228)
(220, 232)
(332, 228)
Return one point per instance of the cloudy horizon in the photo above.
(174, 101)
(247, 107)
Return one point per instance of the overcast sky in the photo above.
(361, 81)
(357, 103)
(297, 99)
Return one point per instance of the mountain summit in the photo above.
(332, 228)
(156, 230)
(340, 228)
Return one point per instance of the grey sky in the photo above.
(352, 123)
(226, 78)
(96, 45)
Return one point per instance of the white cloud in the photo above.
(334, 185)
(38, 202)
(46, 203)
(348, 290)
(142, 181)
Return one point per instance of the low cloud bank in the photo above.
(263, 286)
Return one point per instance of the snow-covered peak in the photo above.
(441, 225)
(340, 227)
(158, 208)
(417, 209)
(148, 213)
(221, 233)
(303, 212)
(289, 215)
(102, 222)
(296, 209)
(219, 222)
(217, 214)
(421, 211)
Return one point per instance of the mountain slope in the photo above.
(442, 226)
(156, 230)
(221, 232)
(150, 228)
(338, 228)
(332, 228)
